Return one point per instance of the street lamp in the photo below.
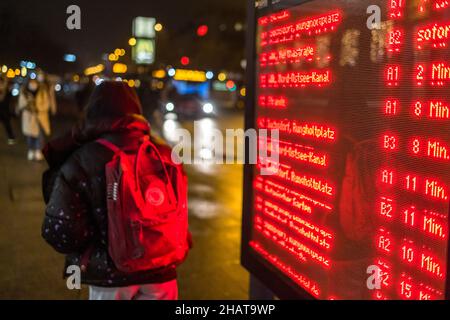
(222, 76)
(113, 57)
(132, 42)
(158, 27)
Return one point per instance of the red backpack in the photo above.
(147, 209)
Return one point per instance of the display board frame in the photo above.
(281, 285)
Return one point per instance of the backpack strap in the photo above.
(111, 146)
(158, 154)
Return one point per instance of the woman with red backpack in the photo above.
(116, 202)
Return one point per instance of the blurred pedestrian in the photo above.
(34, 106)
(89, 219)
(5, 109)
(49, 85)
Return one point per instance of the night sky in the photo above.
(108, 24)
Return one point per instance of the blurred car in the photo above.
(188, 106)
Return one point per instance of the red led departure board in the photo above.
(359, 205)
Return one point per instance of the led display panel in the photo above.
(359, 205)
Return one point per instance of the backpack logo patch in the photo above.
(155, 195)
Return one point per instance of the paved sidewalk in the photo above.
(30, 269)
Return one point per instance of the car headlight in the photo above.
(170, 106)
(208, 108)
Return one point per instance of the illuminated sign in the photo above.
(359, 206)
(190, 75)
(144, 27)
(144, 51)
(94, 70)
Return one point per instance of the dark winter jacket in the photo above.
(74, 188)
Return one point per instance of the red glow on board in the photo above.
(299, 226)
(434, 4)
(291, 244)
(440, 73)
(386, 276)
(319, 24)
(396, 8)
(423, 5)
(302, 153)
(294, 198)
(280, 16)
(306, 283)
(420, 259)
(412, 182)
(433, 109)
(420, 74)
(341, 172)
(305, 181)
(263, 21)
(436, 189)
(310, 26)
(386, 208)
(429, 187)
(431, 148)
(391, 106)
(395, 40)
(409, 288)
(384, 241)
(274, 18)
(435, 35)
(428, 222)
(295, 127)
(275, 102)
(405, 288)
(290, 55)
(387, 177)
(441, 4)
(392, 75)
(390, 142)
(409, 254)
(294, 79)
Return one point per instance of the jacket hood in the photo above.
(112, 107)
(112, 100)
